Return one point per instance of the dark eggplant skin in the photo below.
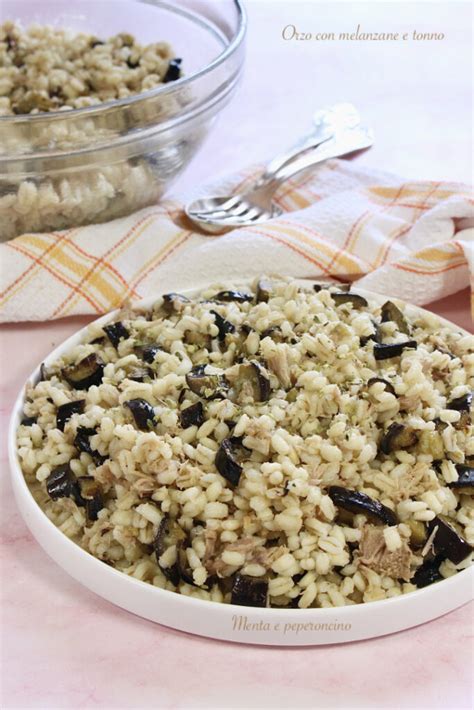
(293, 603)
(390, 312)
(249, 591)
(140, 374)
(262, 381)
(169, 533)
(274, 333)
(82, 442)
(461, 404)
(428, 572)
(252, 373)
(195, 379)
(375, 336)
(88, 372)
(207, 386)
(388, 386)
(85, 490)
(447, 541)
(223, 325)
(65, 412)
(43, 374)
(116, 332)
(237, 296)
(465, 482)
(28, 421)
(192, 415)
(356, 502)
(143, 413)
(384, 351)
(148, 352)
(226, 460)
(61, 482)
(397, 436)
(90, 496)
(324, 285)
(354, 298)
(174, 70)
(418, 536)
(173, 302)
(264, 291)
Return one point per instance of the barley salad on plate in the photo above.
(273, 445)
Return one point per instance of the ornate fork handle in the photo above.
(280, 161)
(296, 162)
(329, 125)
(341, 144)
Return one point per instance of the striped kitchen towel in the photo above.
(411, 240)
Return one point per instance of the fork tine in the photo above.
(250, 215)
(241, 213)
(237, 216)
(228, 204)
(238, 209)
(215, 214)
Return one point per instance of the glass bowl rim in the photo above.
(229, 50)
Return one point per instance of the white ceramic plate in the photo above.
(288, 627)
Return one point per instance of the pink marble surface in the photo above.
(64, 647)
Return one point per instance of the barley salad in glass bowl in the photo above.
(103, 104)
(282, 444)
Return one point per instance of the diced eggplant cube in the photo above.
(174, 70)
(357, 502)
(82, 442)
(384, 351)
(61, 482)
(28, 421)
(90, 496)
(223, 325)
(227, 460)
(354, 299)
(388, 386)
(465, 482)
(461, 404)
(116, 332)
(169, 533)
(88, 372)
(65, 412)
(249, 591)
(143, 413)
(448, 541)
(391, 312)
(428, 572)
(237, 296)
(192, 415)
(398, 436)
(204, 385)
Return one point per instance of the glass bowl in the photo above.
(67, 168)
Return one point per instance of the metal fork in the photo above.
(337, 133)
